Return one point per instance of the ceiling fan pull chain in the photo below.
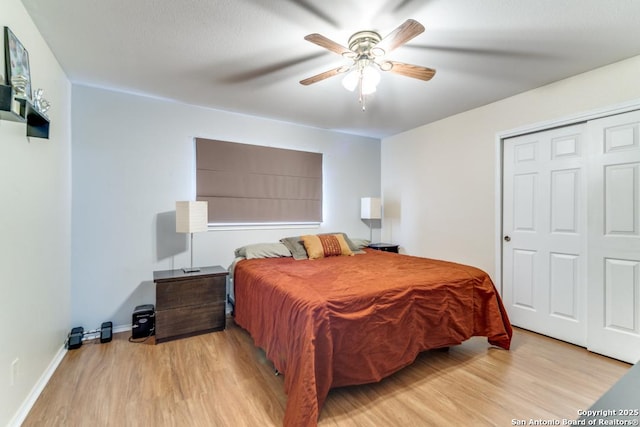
(361, 96)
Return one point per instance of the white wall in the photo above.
(133, 158)
(439, 180)
(35, 189)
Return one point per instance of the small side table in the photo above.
(190, 304)
(386, 247)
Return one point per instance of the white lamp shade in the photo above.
(370, 208)
(370, 80)
(350, 81)
(191, 217)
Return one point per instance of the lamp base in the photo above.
(191, 270)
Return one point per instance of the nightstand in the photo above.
(189, 304)
(386, 247)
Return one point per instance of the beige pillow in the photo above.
(325, 245)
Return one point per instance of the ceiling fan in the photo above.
(367, 52)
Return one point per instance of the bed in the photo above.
(348, 320)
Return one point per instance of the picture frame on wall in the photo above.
(17, 64)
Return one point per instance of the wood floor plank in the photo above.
(222, 379)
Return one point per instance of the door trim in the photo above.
(573, 119)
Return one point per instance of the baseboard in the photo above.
(28, 403)
(121, 328)
(26, 406)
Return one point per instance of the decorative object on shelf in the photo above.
(40, 103)
(44, 107)
(37, 98)
(19, 84)
(191, 217)
(17, 64)
(370, 209)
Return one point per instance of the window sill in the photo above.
(261, 226)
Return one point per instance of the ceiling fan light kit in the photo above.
(365, 78)
(366, 52)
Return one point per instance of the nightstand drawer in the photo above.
(190, 303)
(385, 247)
(185, 293)
(186, 321)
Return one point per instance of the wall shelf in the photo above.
(5, 105)
(37, 123)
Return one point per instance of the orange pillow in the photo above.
(325, 245)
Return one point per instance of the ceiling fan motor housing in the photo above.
(363, 42)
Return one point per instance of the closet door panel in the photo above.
(621, 201)
(621, 292)
(614, 237)
(564, 286)
(544, 221)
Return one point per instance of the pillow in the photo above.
(354, 248)
(325, 245)
(295, 246)
(240, 252)
(298, 251)
(263, 250)
(360, 243)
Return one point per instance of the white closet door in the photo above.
(614, 237)
(544, 226)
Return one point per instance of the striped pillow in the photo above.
(325, 245)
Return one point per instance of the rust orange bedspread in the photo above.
(340, 321)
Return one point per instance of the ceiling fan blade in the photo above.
(401, 7)
(405, 32)
(328, 44)
(409, 70)
(322, 76)
(309, 7)
(268, 69)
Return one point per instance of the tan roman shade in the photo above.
(254, 184)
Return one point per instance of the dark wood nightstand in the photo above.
(189, 304)
(386, 247)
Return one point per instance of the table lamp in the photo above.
(191, 217)
(370, 209)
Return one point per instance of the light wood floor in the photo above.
(221, 379)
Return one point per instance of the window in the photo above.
(251, 184)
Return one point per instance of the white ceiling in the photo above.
(248, 56)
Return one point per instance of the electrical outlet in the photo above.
(14, 370)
